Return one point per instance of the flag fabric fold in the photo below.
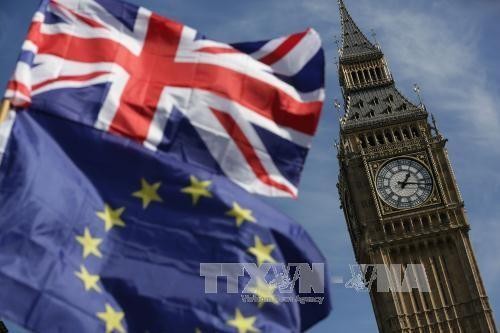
(127, 170)
(250, 109)
(100, 234)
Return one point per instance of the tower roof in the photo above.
(370, 93)
(386, 102)
(354, 42)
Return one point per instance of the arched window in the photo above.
(361, 77)
(371, 140)
(367, 75)
(380, 138)
(373, 75)
(406, 134)
(443, 217)
(425, 222)
(415, 132)
(388, 229)
(398, 227)
(355, 77)
(397, 135)
(407, 226)
(362, 140)
(388, 136)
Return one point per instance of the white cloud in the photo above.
(442, 53)
(434, 44)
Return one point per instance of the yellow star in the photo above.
(264, 291)
(111, 217)
(262, 252)
(241, 214)
(112, 319)
(90, 245)
(89, 280)
(198, 189)
(242, 324)
(148, 193)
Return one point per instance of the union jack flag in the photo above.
(245, 110)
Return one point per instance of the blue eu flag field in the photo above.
(99, 234)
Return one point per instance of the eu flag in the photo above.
(100, 234)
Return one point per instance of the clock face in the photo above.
(404, 183)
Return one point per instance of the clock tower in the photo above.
(400, 198)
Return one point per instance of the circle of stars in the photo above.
(148, 194)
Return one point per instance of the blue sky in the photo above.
(450, 47)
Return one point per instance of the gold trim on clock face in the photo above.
(404, 183)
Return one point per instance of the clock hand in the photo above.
(405, 182)
(420, 183)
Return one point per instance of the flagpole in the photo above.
(4, 110)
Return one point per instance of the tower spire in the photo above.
(386, 143)
(369, 91)
(354, 42)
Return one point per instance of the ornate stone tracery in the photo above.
(380, 125)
